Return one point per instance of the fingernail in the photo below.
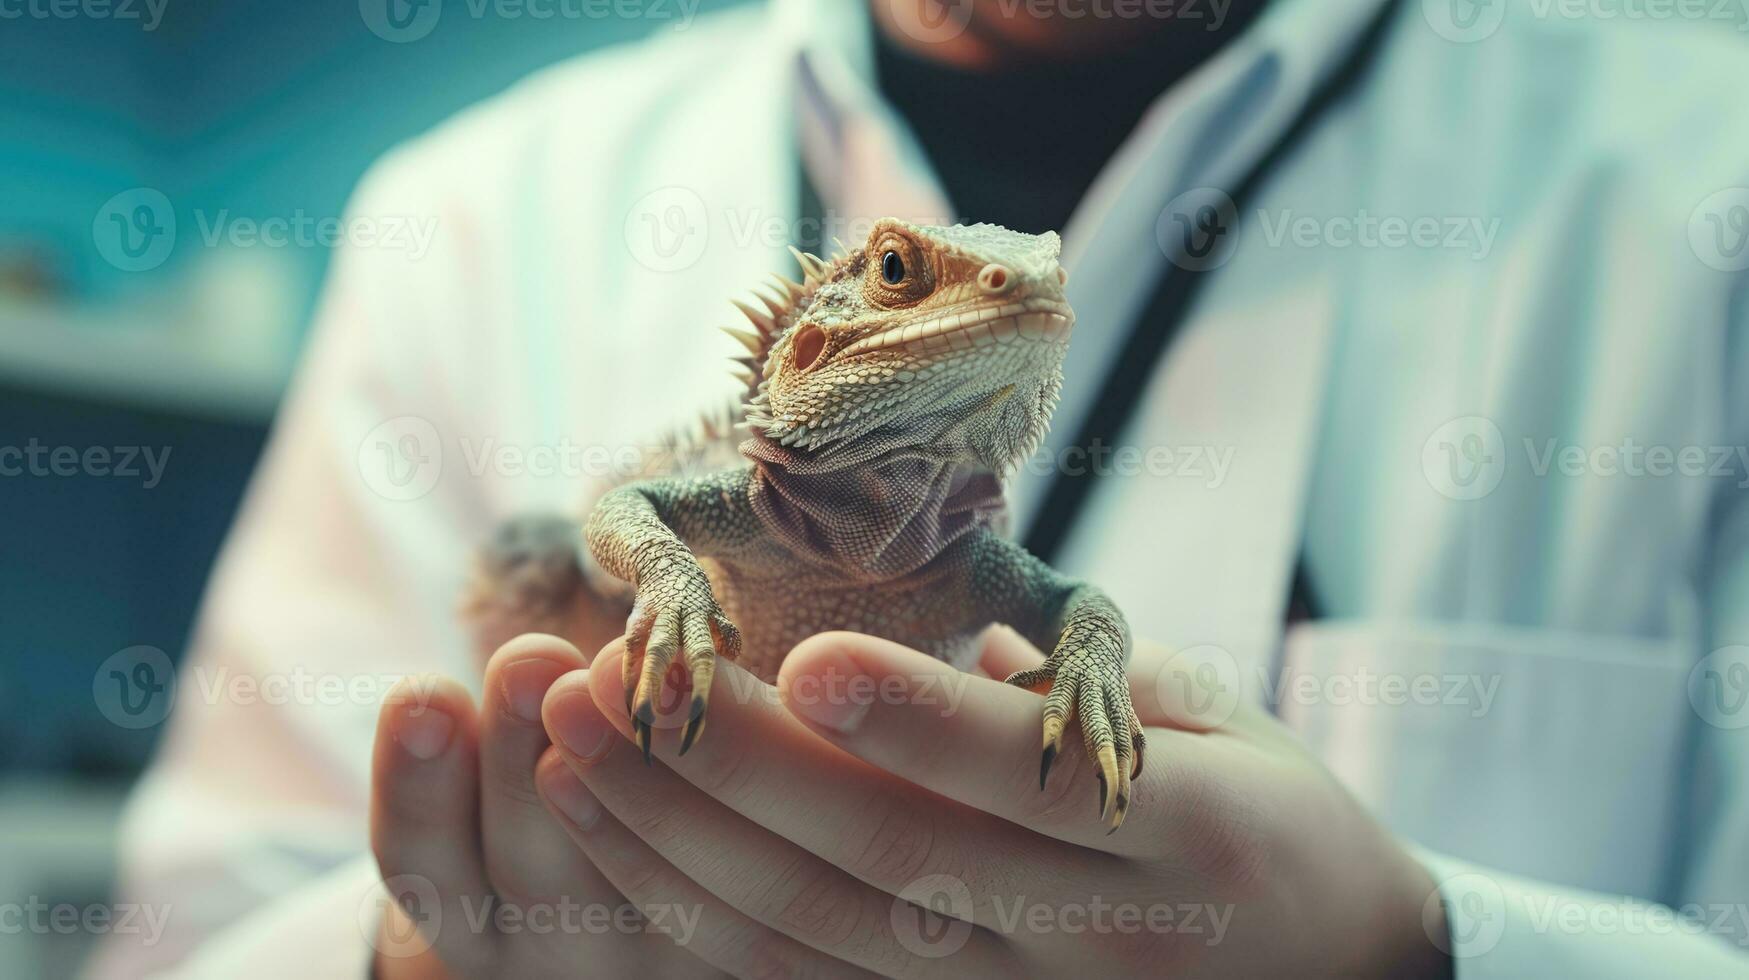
(579, 726)
(424, 731)
(573, 799)
(525, 686)
(836, 699)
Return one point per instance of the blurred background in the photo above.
(246, 123)
(171, 174)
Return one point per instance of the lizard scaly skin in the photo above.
(890, 392)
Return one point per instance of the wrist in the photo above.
(1376, 895)
(664, 560)
(1413, 935)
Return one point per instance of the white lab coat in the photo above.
(1576, 759)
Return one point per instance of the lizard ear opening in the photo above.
(809, 346)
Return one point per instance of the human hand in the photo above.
(814, 820)
(498, 888)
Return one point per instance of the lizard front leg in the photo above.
(1085, 675)
(651, 534)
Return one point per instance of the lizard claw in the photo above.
(641, 729)
(695, 723)
(1044, 766)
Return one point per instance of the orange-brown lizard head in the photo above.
(949, 339)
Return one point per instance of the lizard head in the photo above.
(950, 338)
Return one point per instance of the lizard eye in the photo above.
(897, 273)
(892, 268)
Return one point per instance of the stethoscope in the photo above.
(1176, 288)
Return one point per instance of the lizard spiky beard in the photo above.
(888, 394)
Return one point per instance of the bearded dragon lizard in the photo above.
(890, 393)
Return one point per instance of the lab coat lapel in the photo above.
(1199, 546)
(861, 156)
(1195, 145)
(699, 228)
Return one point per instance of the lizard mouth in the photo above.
(1039, 320)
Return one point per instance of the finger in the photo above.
(1002, 652)
(698, 922)
(424, 820)
(764, 876)
(527, 854)
(1196, 689)
(976, 740)
(1175, 689)
(767, 766)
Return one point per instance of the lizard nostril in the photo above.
(809, 344)
(994, 279)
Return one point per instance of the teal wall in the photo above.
(262, 107)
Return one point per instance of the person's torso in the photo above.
(1455, 318)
